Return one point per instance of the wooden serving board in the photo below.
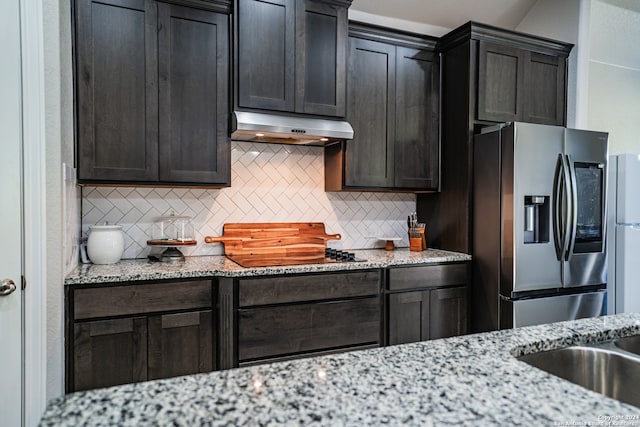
(272, 240)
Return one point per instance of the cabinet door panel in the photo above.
(266, 56)
(193, 96)
(180, 344)
(116, 87)
(545, 89)
(448, 312)
(408, 317)
(417, 104)
(369, 157)
(274, 331)
(500, 77)
(109, 352)
(321, 58)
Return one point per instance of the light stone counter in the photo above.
(220, 266)
(472, 380)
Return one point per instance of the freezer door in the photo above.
(529, 161)
(627, 269)
(628, 199)
(586, 262)
(536, 311)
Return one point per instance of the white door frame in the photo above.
(31, 19)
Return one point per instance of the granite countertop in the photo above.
(208, 266)
(472, 380)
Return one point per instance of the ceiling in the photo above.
(450, 13)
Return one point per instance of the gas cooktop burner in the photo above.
(330, 256)
(338, 255)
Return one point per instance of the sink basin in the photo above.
(596, 368)
(630, 344)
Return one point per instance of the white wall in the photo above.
(614, 75)
(59, 149)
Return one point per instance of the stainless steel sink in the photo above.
(630, 344)
(599, 368)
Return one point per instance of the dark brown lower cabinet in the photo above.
(448, 312)
(180, 344)
(425, 315)
(426, 302)
(131, 333)
(300, 315)
(110, 352)
(408, 317)
(276, 331)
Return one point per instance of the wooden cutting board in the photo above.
(273, 240)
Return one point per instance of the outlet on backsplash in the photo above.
(270, 183)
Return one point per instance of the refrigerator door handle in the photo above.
(573, 209)
(560, 199)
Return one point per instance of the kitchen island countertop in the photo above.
(220, 266)
(470, 380)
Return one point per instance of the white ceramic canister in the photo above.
(105, 244)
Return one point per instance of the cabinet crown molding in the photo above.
(478, 31)
(220, 6)
(395, 37)
(340, 3)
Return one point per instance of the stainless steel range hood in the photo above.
(260, 127)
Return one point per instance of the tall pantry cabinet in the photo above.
(490, 75)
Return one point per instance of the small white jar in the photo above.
(105, 244)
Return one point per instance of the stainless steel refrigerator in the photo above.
(539, 202)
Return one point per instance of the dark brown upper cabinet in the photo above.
(490, 75)
(516, 84)
(393, 105)
(152, 93)
(291, 56)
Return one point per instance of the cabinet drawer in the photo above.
(287, 289)
(140, 299)
(274, 331)
(428, 276)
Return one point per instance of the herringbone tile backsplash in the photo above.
(269, 183)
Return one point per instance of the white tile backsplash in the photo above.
(270, 183)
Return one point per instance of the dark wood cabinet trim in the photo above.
(391, 36)
(477, 31)
(219, 6)
(227, 324)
